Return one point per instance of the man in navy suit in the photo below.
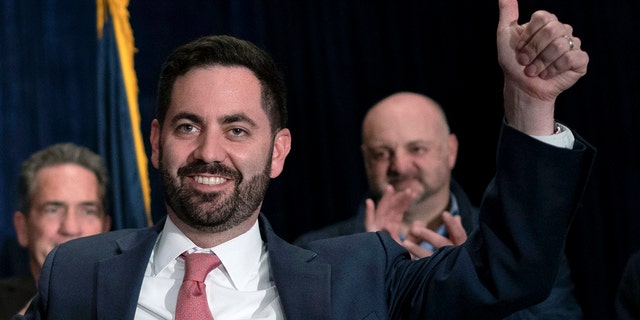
(219, 137)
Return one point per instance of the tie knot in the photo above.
(198, 265)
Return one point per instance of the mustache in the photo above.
(210, 168)
(393, 180)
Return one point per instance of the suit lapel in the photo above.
(303, 283)
(120, 276)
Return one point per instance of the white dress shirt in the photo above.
(562, 138)
(240, 288)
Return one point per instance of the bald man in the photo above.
(409, 153)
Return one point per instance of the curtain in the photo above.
(339, 57)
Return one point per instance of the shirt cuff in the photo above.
(563, 138)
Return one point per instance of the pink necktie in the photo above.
(192, 297)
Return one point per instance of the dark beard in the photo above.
(214, 212)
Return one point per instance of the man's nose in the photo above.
(400, 162)
(210, 148)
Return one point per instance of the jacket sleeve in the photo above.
(511, 260)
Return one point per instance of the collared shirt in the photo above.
(442, 230)
(241, 288)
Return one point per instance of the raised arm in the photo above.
(510, 261)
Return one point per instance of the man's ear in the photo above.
(106, 223)
(22, 230)
(154, 138)
(281, 148)
(453, 150)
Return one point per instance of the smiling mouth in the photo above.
(210, 181)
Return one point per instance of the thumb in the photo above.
(370, 218)
(508, 12)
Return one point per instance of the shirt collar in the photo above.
(241, 256)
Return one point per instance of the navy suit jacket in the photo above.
(561, 304)
(508, 263)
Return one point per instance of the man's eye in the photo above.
(52, 209)
(237, 131)
(90, 211)
(380, 155)
(186, 128)
(416, 150)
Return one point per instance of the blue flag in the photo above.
(119, 136)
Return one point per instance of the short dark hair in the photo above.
(226, 51)
(58, 154)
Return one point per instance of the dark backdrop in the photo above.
(339, 57)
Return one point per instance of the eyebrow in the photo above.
(186, 115)
(90, 203)
(237, 117)
(64, 204)
(54, 203)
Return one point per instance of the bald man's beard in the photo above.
(214, 211)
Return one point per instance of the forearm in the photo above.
(526, 113)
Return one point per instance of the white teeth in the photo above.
(210, 180)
